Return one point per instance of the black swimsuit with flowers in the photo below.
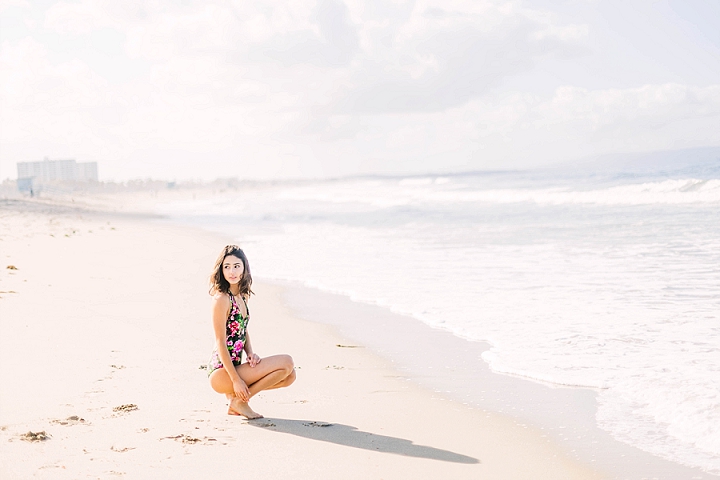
(235, 333)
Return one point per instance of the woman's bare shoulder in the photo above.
(221, 299)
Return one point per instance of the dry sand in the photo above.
(104, 324)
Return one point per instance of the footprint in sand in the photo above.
(121, 450)
(266, 425)
(35, 436)
(71, 420)
(317, 424)
(128, 407)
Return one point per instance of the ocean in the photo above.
(606, 279)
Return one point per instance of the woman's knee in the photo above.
(288, 364)
(220, 381)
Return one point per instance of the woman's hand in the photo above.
(253, 359)
(240, 390)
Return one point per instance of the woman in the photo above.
(230, 285)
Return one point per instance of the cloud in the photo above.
(456, 64)
(322, 88)
(42, 91)
(576, 122)
(525, 130)
(419, 56)
(648, 107)
(445, 54)
(5, 4)
(75, 18)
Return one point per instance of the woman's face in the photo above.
(233, 269)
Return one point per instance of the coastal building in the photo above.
(33, 174)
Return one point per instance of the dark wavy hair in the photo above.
(218, 284)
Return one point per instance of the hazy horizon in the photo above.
(271, 90)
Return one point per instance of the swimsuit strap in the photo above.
(247, 310)
(232, 299)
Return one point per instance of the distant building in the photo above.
(33, 174)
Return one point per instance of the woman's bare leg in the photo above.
(289, 380)
(272, 372)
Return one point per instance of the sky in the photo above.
(198, 90)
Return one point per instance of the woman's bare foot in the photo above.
(242, 408)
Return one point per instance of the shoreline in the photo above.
(566, 414)
(114, 318)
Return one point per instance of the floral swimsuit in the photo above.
(235, 332)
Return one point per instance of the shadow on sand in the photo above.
(352, 437)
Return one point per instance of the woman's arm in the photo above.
(253, 358)
(220, 311)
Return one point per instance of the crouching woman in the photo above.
(230, 286)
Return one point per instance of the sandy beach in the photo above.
(484, 238)
(104, 329)
(105, 332)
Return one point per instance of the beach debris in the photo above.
(143, 430)
(266, 425)
(317, 424)
(121, 450)
(334, 367)
(9, 291)
(202, 367)
(11, 267)
(349, 346)
(128, 407)
(35, 436)
(301, 401)
(117, 367)
(71, 420)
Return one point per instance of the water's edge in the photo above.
(452, 367)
